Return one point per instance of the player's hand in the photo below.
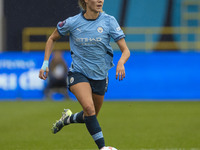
(44, 71)
(44, 74)
(120, 72)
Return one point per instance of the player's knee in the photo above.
(89, 110)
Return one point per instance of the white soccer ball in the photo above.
(108, 148)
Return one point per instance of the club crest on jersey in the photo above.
(100, 29)
(61, 24)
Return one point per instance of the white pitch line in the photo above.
(151, 149)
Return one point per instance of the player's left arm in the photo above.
(120, 71)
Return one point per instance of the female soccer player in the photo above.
(92, 57)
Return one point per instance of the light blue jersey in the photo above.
(91, 52)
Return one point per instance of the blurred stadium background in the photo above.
(164, 39)
(163, 36)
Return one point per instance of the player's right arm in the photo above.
(48, 49)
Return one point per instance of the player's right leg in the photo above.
(67, 116)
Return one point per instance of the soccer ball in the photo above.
(108, 148)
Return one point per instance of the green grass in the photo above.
(126, 126)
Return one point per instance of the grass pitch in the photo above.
(125, 125)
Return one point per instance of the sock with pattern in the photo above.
(95, 130)
(75, 118)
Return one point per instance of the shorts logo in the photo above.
(100, 29)
(71, 80)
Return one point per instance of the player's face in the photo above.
(95, 5)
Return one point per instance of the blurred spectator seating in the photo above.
(58, 70)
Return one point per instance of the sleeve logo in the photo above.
(61, 24)
(118, 28)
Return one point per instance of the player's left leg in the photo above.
(98, 102)
(99, 88)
